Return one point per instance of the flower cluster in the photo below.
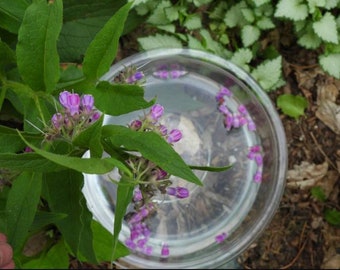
(239, 119)
(256, 155)
(152, 180)
(233, 119)
(78, 113)
(130, 76)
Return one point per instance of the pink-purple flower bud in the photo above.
(87, 102)
(179, 192)
(221, 237)
(156, 111)
(174, 136)
(136, 124)
(165, 251)
(57, 120)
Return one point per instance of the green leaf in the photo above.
(37, 55)
(166, 157)
(268, 73)
(159, 41)
(242, 58)
(326, 28)
(103, 244)
(332, 216)
(117, 99)
(265, 23)
(293, 106)
(234, 16)
(309, 39)
(11, 142)
(193, 22)
(103, 49)
(172, 13)
(330, 63)
(63, 191)
(69, 76)
(211, 169)
(21, 207)
(292, 9)
(83, 19)
(85, 165)
(11, 14)
(158, 15)
(7, 58)
(318, 193)
(30, 162)
(90, 138)
(43, 218)
(124, 197)
(55, 258)
(249, 35)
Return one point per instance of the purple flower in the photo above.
(224, 91)
(242, 109)
(259, 159)
(255, 148)
(57, 120)
(137, 195)
(161, 74)
(87, 102)
(136, 124)
(163, 130)
(135, 77)
(221, 237)
(258, 175)
(161, 174)
(179, 192)
(174, 136)
(95, 116)
(70, 102)
(156, 111)
(165, 252)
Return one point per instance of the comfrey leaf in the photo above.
(292, 9)
(326, 28)
(102, 50)
(293, 106)
(37, 56)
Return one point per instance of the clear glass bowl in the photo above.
(231, 203)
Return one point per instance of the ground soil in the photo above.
(298, 236)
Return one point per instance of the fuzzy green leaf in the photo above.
(326, 28)
(21, 207)
(265, 23)
(309, 39)
(234, 16)
(168, 159)
(313, 5)
(171, 13)
(158, 15)
(11, 14)
(117, 99)
(249, 34)
(159, 41)
(37, 56)
(291, 105)
(268, 73)
(193, 22)
(330, 63)
(242, 58)
(102, 50)
(292, 9)
(248, 14)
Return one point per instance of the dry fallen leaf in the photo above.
(328, 111)
(306, 175)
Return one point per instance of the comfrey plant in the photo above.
(55, 115)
